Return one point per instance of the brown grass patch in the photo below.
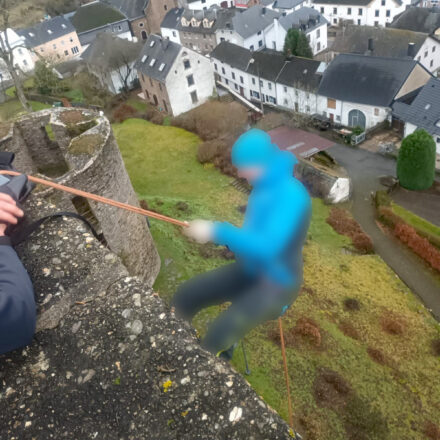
(436, 347)
(306, 331)
(377, 356)
(431, 430)
(331, 389)
(343, 223)
(72, 117)
(393, 324)
(352, 304)
(348, 330)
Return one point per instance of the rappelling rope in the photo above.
(100, 199)
(157, 216)
(286, 372)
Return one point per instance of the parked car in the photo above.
(321, 122)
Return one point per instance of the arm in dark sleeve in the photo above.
(17, 303)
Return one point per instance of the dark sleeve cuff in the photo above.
(5, 241)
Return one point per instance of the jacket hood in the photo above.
(255, 149)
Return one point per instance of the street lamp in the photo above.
(252, 61)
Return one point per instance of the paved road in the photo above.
(365, 168)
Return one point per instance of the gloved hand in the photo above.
(200, 231)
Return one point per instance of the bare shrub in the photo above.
(431, 430)
(351, 304)
(123, 112)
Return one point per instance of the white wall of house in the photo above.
(179, 92)
(22, 56)
(254, 42)
(429, 55)
(378, 12)
(411, 128)
(276, 35)
(373, 115)
(172, 34)
(228, 35)
(296, 99)
(233, 78)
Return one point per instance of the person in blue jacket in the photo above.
(268, 272)
(17, 303)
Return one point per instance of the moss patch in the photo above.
(86, 144)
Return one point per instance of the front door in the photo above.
(356, 118)
(241, 91)
(155, 100)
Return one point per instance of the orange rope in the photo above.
(286, 373)
(100, 199)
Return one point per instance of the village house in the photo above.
(421, 109)
(55, 39)
(135, 11)
(247, 28)
(206, 4)
(111, 60)
(23, 59)
(359, 90)
(389, 42)
(156, 11)
(289, 6)
(360, 12)
(419, 20)
(93, 18)
(268, 77)
(170, 23)
(172, 77)
(307, 20)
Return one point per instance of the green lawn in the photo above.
(12, 108)
(392, 397)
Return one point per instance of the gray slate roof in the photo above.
(109, 52)
(308, 17)
(253, 20)
(387, 42)
(163, 51)
(95, 15)
(270, 65)
(418, 20)
(365, 79)
(47, 30)
(172, 18)
(424, 111)
(130, 8)
(349, 2)
(220, 16)
(286, 4)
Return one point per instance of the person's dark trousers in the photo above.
(253, 301)
(17, 302)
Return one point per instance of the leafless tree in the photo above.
(7, 53)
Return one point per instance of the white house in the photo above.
(23, 59)
(248, 28)
(423, 111)
(389, 42)
(174, 78)
(360, 12)
(268, 77)
(289, 6)
(359, 90)
(170, 23)
(111, 60)
(305, 19)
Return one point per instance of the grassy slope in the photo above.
(161, 162)
(12, 108)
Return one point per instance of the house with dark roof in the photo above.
(156, 11)
(55, 38)
(267, 76)
(389, 42)
(93, 18)
(359, 90)
(419, 20)
(360, 12)
(421, 110)
(305, 19)
(247, 28)
(173, 78)
(111, 60)
(135, 11)
(170, 23)
(206, 4)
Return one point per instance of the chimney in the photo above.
(411, 52)
(370, 45)
(284, 14)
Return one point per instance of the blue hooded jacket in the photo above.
(278, 214)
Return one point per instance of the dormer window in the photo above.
(49, 32)
(161, 67)
(144, 58)
(31, 34)
(63, 26)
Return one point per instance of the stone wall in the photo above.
(110, 361)
(77, 148)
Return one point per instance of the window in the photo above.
(151, 82)
(174, 33)
(66, 52)
(25, 63)
(236, 87)
(331, 103)
(338, 118)
(255, 94)
(253, 81)
(426, 54)
(433, 48)
(147, 94)
(259, 33)
(215, 67)
(165, 105)
(307, 109)
(144, 58)
(388, 13)
(361, 11)
(226, 81)
(376, 111)
(186, 64)
(359, 21)
(141, 24)
(322, 10)
(194, 98)
(431, 63)
(71, 39)
(252, 47)
(54, 46)
(318, 33)
(190, 80)
(233, 75)
(285, 101)
(270, 86)
(20, 51)
(285, 89)
(261, 83)
(160, 86)
(318, 46)
(41, 49)
(165, 7)
(348, 11)
(223, 71)
(161, 67)
(335, 21)
(376, 23)
(75, 49)
(153, 62)
(376, 13)
(335, 10)
(241, 80)
(418, 58)
(260, 43)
